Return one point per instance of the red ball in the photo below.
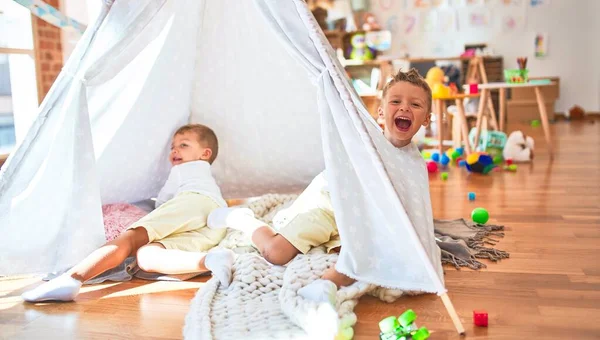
(432, 167)
(509, 161)
(480, 318)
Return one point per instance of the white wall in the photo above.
(594, 40)
(573, 32)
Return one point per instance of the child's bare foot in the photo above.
(338, 278)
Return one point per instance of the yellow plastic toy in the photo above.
(435, 75)
(440, 91)
(435, 78)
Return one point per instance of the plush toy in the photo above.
(370, 22)
(436, 78)
(435, 75)
(360, 50)
(519, 147)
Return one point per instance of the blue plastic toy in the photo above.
(445, 159)
(435, 157)
(471, 196)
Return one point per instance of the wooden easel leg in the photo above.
(544, 115)
(482, 101)
(456, 131)
(462, 120)
(502, 104)
(453, 315)
(492, 112)
(482, 73)
(440, 124)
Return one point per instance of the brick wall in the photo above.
(48, 52)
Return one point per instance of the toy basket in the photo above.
(489, 141)
(516, 76)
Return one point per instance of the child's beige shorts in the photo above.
(180, 223)
(309, 222)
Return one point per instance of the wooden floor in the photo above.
(548, 289)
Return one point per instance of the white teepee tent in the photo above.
(262, 75)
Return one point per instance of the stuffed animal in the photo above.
(436, 78)
(360, 50)
(370, 23)
(435, 75)
(519, 147)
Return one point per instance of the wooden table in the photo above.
(439, 108)
(501, 87)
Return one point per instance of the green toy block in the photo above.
(407, 318)
(421, 334)
(444, 176)
(391, 336)
(388, 324)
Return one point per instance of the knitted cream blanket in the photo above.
(262, 301)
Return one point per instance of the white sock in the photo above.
(237, 218)
(62, 288)
(220, 263)
(319, 291)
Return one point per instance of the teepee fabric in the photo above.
(262, 75)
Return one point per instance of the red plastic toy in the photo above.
(509, 161)
(432, 167)
(480, 318)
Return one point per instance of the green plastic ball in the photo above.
(480, 215)
(455, 155)
(498, 159)
(444, 176)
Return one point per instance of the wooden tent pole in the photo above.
(453, 315)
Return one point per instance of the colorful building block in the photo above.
(480, 318)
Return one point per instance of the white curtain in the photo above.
(50, 203)
(260, 102)
(380, 194)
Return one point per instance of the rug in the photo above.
(262, 300)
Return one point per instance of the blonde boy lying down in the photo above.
(310, 221)
(172, 239)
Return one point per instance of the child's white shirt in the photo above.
(193, 176)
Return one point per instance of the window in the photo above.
(18, 90)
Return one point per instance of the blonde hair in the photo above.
(412, 77)
(206, 137)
